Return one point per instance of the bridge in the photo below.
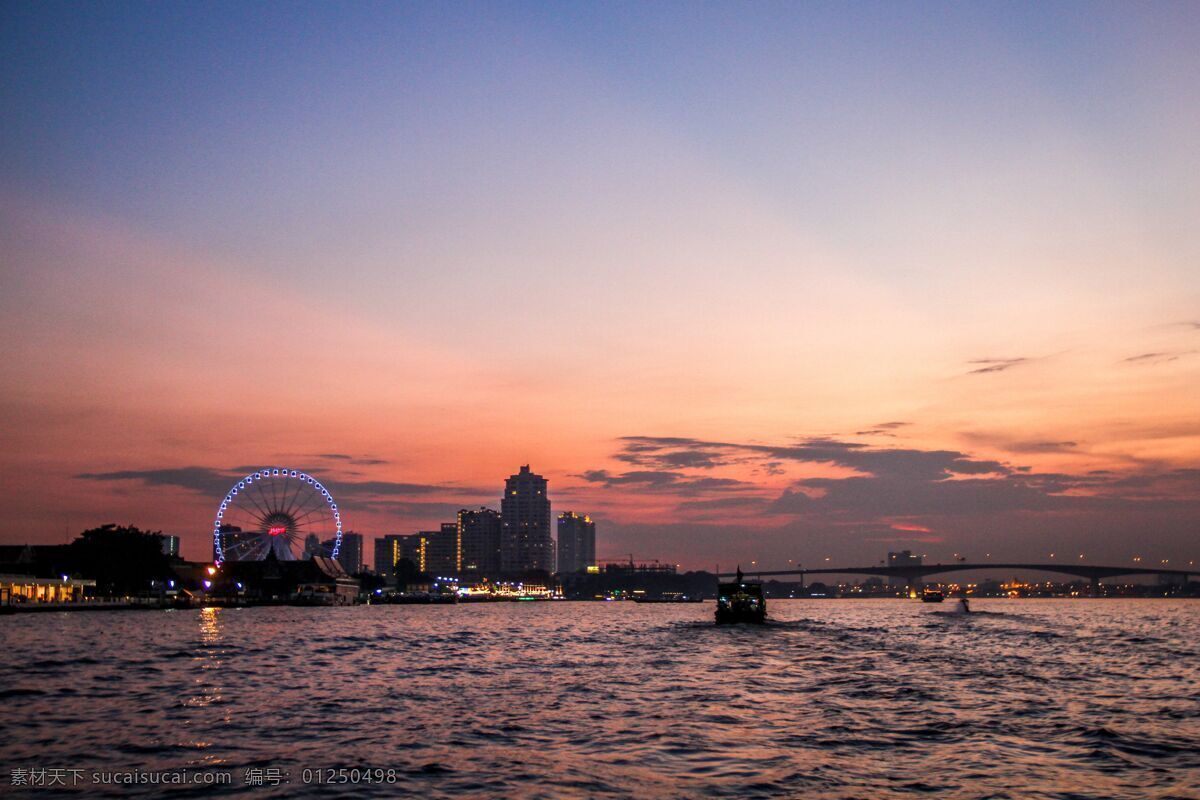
(914, 573)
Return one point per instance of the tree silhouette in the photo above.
(122, 560)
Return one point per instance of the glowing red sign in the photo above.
(278, 530)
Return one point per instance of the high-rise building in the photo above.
(904, 558)
(576, 542)
(312, 546)
(350, 554)
(444, 550)
(526, 542)
(232, 540)
(479, 537)
(433, 552)
(388, 550)
(170, 545)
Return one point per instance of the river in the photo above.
(839, 699)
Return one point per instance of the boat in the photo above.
(741, 601)
(932, 596)
(668, 597)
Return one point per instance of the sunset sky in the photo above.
(743, 281)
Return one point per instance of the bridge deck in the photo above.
(910, 572)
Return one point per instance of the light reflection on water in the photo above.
(1029, 699)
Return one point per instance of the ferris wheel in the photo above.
(277, 511)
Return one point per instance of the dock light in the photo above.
(64, 578)
(212, 570)
(208, 584)
(239, 585)
(171, 584)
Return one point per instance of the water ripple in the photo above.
(1029, 699)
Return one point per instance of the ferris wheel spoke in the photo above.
(262, 548)
(298, 503)
(310, 504)
(237, 547)
(266, 493)
(317, 510)
(284, 545)
(275, 504)
(287, 501)
(294, 546)
(250, 498)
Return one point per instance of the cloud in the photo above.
(662, 481)
(669, 453)
(675, 458)
(207, 480)
(198, 479)
(1042, 447)
(412, 509)
(894, 482)
(1157, 358)
(996, 364)
(735, 502)
(854, 455)
(875, 497)
(1002, 442)
(362, 462)
(882, 429)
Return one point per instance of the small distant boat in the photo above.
(932, 596)
(741, 601)
(669, 597)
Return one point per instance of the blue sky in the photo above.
(463, 237)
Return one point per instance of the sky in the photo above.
(765, 282)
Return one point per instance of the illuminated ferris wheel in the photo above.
(281, 511)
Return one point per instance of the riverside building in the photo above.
(576, 542)
(526, 542)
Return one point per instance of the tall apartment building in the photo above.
(313, 546)
(350, 554)
(170, 545)
(576, 542)
(432, 552)
(479, 536)
(526, 542)
(388, 551)
(438, 552)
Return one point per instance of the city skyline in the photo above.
(900, 279)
